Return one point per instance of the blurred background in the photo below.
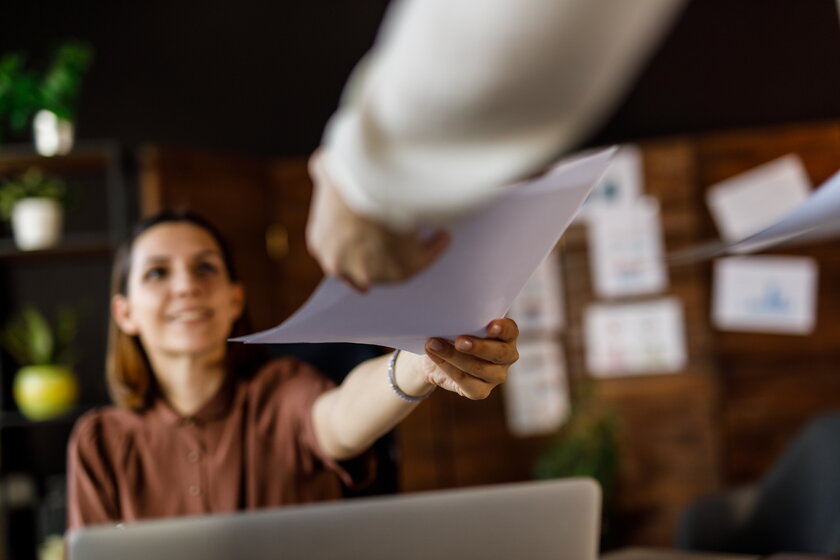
(264, 77)
(215, 106)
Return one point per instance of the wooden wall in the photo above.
(772, 383)
(720, 422)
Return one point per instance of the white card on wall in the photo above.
(774, 294)
(536, 391)
(635, 338)
(622, 182)
(749, 202)
(539, 306)
(626, 249)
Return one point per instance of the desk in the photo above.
(665, 554)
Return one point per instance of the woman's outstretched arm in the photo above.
(349, 418)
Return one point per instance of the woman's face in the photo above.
(180, 298)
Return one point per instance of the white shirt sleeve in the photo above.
(459, 97)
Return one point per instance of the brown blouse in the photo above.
(252, 445)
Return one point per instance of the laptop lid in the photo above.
(542, 520)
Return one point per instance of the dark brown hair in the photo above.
(131, 382)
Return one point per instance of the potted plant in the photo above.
(34, 203)
(587, 445)
(58, 96)
(52, 97)
(45, 386)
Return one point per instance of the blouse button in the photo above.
(193, 456)
(195, 490)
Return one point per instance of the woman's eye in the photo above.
(205, 268)
(155, 273)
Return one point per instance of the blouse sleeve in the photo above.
(302, 384)
(91, 489)
(459, 97)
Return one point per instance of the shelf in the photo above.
(93, 245)
(14, 419)
(85, 156)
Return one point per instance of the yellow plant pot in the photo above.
(45, 391)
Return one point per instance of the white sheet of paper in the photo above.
(622, 182)
(492, 254)
(626, 249)
(815, 219)
(765, 294)
(536, 392)
(635, 338)
(539, 306)
(747, 203)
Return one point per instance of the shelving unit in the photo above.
(77, 273)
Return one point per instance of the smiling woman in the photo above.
(199, 429)
(181, 303)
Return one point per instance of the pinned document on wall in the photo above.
(774, 294)
(749, 202)
(635, 338)
(622, 182)
(536, 392)
(626, 249)
(817, 218)
(539, 306)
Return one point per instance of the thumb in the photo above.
(432, 248)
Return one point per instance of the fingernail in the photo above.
(435, 345)
(464, 344)
(495, 329)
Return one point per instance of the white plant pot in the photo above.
(53, 136)
(37, 223)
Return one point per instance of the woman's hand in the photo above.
(473, 366)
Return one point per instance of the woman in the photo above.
(196, 431)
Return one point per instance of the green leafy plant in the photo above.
(62, 82)
(586, 445)
(31, 340)
(24, 91)
(18, 92)
(32, 183)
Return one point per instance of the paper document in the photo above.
(815, 219)
(493, 252)
(539, 306)
(626, 249)
(635, 338)
(747, 203)
(775, 294)
(622, 182)
(536, 391)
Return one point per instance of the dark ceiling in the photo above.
(263, 77)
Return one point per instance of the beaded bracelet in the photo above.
(392, 381)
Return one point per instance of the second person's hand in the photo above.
(357, 249)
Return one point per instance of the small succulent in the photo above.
(31, 340)
(32, 183)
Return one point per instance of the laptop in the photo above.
(557, 520)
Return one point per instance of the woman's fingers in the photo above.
(473, 366)
(503, 329)
(466, 362)
(447, 376)
(499, 349)
(493, 351)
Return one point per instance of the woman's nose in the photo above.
(184, 283)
